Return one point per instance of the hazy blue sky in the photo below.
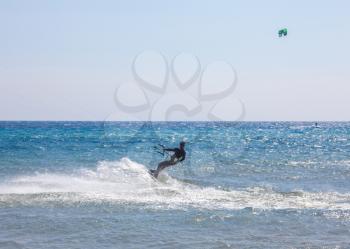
(62, 60)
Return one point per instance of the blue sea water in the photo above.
(242, 185)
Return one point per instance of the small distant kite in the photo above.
(282, 32)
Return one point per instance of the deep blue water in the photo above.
(242, 185)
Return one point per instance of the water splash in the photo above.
(125, 181)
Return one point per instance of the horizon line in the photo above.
(190, 121)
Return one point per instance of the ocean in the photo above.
(242, 185)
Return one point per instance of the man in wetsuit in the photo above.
(178, 156)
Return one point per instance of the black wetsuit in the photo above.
(178, 156)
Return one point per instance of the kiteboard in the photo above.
(151, 172)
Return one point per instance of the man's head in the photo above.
(182, 144)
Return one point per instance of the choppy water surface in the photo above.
(243, 185)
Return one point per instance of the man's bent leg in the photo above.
(162, 166)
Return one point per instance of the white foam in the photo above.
(126, 181)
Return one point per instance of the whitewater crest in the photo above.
(126, 182)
